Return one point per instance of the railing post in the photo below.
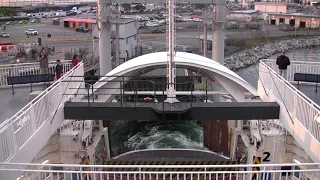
(206, 89)
(92, 89)
(135, 93)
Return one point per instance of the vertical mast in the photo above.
(171, 67)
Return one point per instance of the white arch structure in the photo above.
(231, 82)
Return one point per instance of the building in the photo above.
(75, 23)
(128, 40)
(244, 15)
(273, 7)
(295, 19)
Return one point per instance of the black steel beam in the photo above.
(178, 111)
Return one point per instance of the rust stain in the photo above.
(216, 136)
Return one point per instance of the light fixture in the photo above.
(291, 17)
(296, 161)
(272, 15)
(312, 19)
(45, 162)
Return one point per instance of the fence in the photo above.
(297, 104)
(295, 67)
(17, 130)
(162, 172)
(28, 69)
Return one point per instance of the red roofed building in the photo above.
(75, 23)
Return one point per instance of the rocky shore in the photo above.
(252, 55)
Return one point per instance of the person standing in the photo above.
(283, 62)
(44, 64)
(59, 69)
(74, 61)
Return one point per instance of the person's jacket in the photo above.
(59, 69)
(74, 62)
(44, 63)
(283, 62)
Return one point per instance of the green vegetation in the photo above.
(7, 11)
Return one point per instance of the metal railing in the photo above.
(23, 69)
(16, 131)
(159, 172)
(299, 106)
(295, 67)
(135, 89)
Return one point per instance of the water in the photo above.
(129, 136)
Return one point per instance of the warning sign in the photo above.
(256, 160)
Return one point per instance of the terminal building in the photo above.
(298, 20)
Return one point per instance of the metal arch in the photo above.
(190, 61)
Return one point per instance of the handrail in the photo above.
(310, 102)
(305, 121)
(18, 115)
(293, 62)
(27, 64)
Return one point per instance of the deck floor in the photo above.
(10, 104)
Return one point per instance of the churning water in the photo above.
(129, 136)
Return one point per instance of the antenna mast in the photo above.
(171, 66)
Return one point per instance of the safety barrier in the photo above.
(172, 163)
(22, 127)
(295, 67)
(300, 113)
(71, 171)
(63, 39)
(23, 69)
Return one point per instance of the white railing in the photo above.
(23, 69)
(161, 172)
(299, 106)
(16, 131)
(295, 67)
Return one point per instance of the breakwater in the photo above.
(252, 55)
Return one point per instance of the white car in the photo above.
(4, 34)
(31, 32)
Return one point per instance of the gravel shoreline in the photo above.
(252, 55)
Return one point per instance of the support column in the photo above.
(104, 26)
(205, 41)
(217, 134)
(117, 45)
(218, 33)
(218, 37)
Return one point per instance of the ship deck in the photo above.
(10, 104)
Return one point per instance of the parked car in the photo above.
(31, 32)
(82, 29)
(23, 22)
(194, 26)
(4, 34)
(10, 23)
(35, 21)
(157, 31)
